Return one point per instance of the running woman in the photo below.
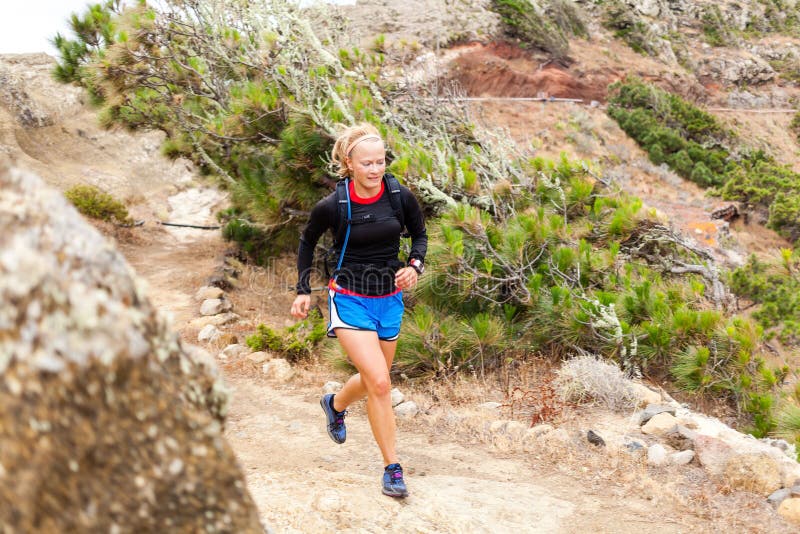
(365, 292)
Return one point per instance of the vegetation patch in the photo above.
(294, 343)
(696, 146)
(776, 287)
(626, 25)
(96, 204)
(545, 28)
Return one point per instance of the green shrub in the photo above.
(295, 342)
(776, 287)
(696, 146)
(96, 204)
(523, 22)
(715, 29)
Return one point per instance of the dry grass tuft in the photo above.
(588, 380)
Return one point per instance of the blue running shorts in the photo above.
(358, 312)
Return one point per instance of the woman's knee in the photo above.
(379, 385)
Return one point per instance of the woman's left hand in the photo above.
(406, 278)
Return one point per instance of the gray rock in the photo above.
(733, 69)
(406, 409)
(278, 369)
(660, 424)
(208, 292)
(633, 445)
(654, 409)
(234, 350)
(681, 458)
(397, 397)
(208, 334)
(778, 496)
(216, 320)
(656, 455)
(259, 357)
(712, 453)
(212, 307)
(71, 302)
(13, 96)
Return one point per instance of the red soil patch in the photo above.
(503, 70)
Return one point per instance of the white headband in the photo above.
(357, 141)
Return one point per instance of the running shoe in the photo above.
(336, 428)
(393, 483)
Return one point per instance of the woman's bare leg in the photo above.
(353, 390)
(372, 358)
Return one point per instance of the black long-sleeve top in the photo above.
(371, 254)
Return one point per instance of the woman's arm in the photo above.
(321, 218)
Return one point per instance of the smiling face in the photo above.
(367, 163)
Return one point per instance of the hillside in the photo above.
(473, 443)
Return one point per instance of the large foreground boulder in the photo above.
(106, 423)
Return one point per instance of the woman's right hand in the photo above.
(300, 306)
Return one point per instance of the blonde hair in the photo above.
(347, 141)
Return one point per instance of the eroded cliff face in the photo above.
(106, 422)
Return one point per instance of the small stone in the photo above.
(209, 333)
(406, 409)
(176, 466)
(634, 446)
(216, 320)
(208, 292)
(332, 387)
(654, 409)
(712, 453)
(680, 438)
(234, 350)
(211, 307)
(595, 439)
(397, 397)
(681, 458)
(790, 510)
(753, 472)
(644, 394)
(660, 424)
(656, 454)
(492, 407)
(795, 490)
(259, 357)
(278, 369)
(779, 496)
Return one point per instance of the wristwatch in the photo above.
(417, 265)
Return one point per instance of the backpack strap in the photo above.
(396, 200)
(344, 222)
(342, 208)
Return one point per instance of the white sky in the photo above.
(28, 25)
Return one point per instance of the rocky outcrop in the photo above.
(106, 423)
(15, 99)
(731, 68)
